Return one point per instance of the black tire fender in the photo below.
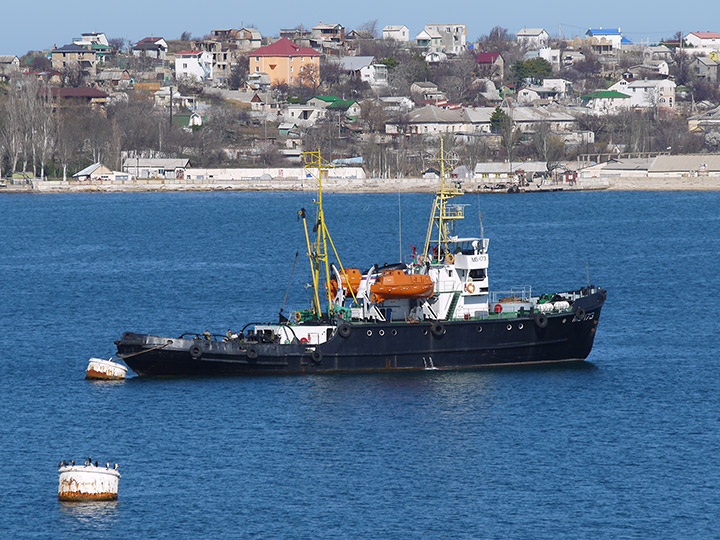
(252, 353)
(316, 356)
(344, 330)
(437, 329)
(580, 314)
(541, 320)
(195, 351)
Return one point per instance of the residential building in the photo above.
(552, 56)
(604, 40)
(9, 64)
(193, 64)
(425, 90)
(334, 103)
(453, 37)
(364, 68)
(706, 121)
(533, 38)
(303, 115)
(224, 53)
(91, 38)
(429, 40)
(114, 79)
(167, 95)
(78, 97)
(150, 47)
(603, 102)
(648, 93)
(286, 63)
(704, 67)
(244, 39)
(430, 120)
(490, 64)
(328, 32)
(398, 32)
(434, 58)
(657, 52)
(75, 55)
(710, 40)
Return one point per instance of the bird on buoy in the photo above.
(96, 463)
(90, 460)
(72, 462)
(86, 462)
(116, 467)
(60, 464)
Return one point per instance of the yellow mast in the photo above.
(317, 250)
(442, 214)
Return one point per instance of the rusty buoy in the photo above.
(100, 369)
(88, 482)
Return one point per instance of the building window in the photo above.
(291, 69)
(257, 68)
(257, 58)
(184, 65)
(291, 79)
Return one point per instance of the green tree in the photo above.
(497, 119)
(535, 69)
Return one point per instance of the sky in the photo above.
(42, 23)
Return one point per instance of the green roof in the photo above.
(329, 99)
(605, 94)
(341, 104)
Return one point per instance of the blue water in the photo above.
(626, 446)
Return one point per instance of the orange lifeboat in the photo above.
(351, 275)
(394, 284)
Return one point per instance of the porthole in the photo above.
(563, 321)
(509, 327)
(479, 329)
(424, 332)
(369, 333)
(394, 332)
(520, 326)
(381, 332)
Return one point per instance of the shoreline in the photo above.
(367, 185)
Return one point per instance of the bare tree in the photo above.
(370, 28)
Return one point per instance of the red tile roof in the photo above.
(284, 47)
(77, 92)
(486, 57)
(706, 35)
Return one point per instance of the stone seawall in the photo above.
(367, 185)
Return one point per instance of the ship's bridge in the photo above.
(469, 253)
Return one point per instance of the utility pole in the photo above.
(171, 105)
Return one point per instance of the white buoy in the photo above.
(108, 370)
(88, 483)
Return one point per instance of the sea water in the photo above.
(624, 446)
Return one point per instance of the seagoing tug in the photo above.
(437, 312)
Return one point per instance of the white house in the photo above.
(653, 93)
(552, 56)
(396, 32)
(711, 40)
(303, 115)
(91, 38)
(533, 37)
(429, 40)
(365, 68)
(9, 63)
(602, 102)
(194, 64)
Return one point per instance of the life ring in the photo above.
(470, 287)
(344, 330)
(316, 357)
(374, 298)
(498, 308)
(437, 329)
(450, 258)
(195, 351)
(421, 259)
(252, 353)
(297, 316)
(541, 320)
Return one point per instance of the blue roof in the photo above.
(625, 40)
(602, 31)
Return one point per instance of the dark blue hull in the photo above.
(387, 346)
